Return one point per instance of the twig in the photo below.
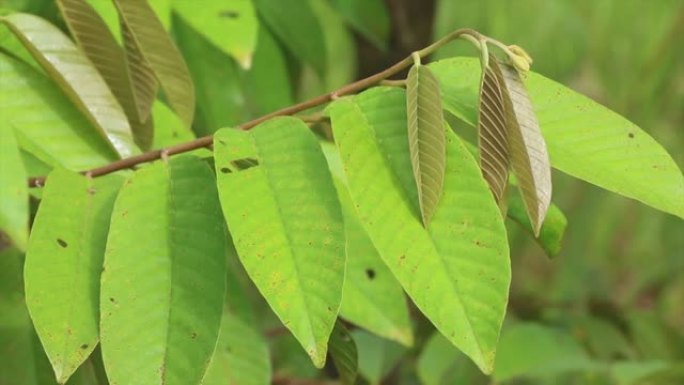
(206, 141)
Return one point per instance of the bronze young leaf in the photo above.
(529, 157)
(427, 143)
(492, 132)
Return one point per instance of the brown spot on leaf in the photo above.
(61, 242)
(193, 335)
(84, 346)
(230, 14)
(370, 273)
(631, 135)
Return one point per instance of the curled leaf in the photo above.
(427, 142)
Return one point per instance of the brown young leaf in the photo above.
(93, 37)
(427, 139)
(492, 131)
(527, 148)
(157, 49)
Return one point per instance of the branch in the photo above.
(207, 141)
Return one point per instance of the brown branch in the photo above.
(206, 141)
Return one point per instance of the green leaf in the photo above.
(295, 24)
(584, 139)
(372, 298)
(168, 129)
(163, 282)
(93, 37)
(377, 356)
(552, 352)
(50, 127)
(426, 137)
(14, 198)
(220, 102)
(492, 130)
(267, 83)
(63, 265)
(107, 11)
(231, 26)
(529, 157)
(344, 355)
(457, 271)
(280, 204)
(23, 360)
(241, 355)
(369, 17)
(76, 76)
(160, 53)
(552, 231)
(442, 364)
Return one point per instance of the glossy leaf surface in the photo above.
(163, 282)
(457, 271)
(52, 129)
(63, 266)
(76, 76)
(584, 139)
(282, 211)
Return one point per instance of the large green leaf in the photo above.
(23, 360)
(427, 140)
(492, 130)
(160, 53)
(230, 25)
(14, 198)
(584, 139)
(282, 211)
(163, 282)
(97, 42)
(295, 24)
(63, 266)
(369, 17)
(344, 355)
(372, 297)
(457, 271)
(76, 76)
(47, 125)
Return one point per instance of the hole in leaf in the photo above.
(61, 242)
(225, 170)
(229, 14)
(370, 273)
(245, 163)
(112, 300)
(84, 346)
(631, 135)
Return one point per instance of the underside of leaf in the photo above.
(527, 148)
(97, 42)
(492, 132)
(427, 143)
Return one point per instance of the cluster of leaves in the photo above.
(126, 277)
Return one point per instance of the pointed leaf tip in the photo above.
(529, 156)
(427, 140)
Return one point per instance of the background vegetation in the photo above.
(609, 309)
